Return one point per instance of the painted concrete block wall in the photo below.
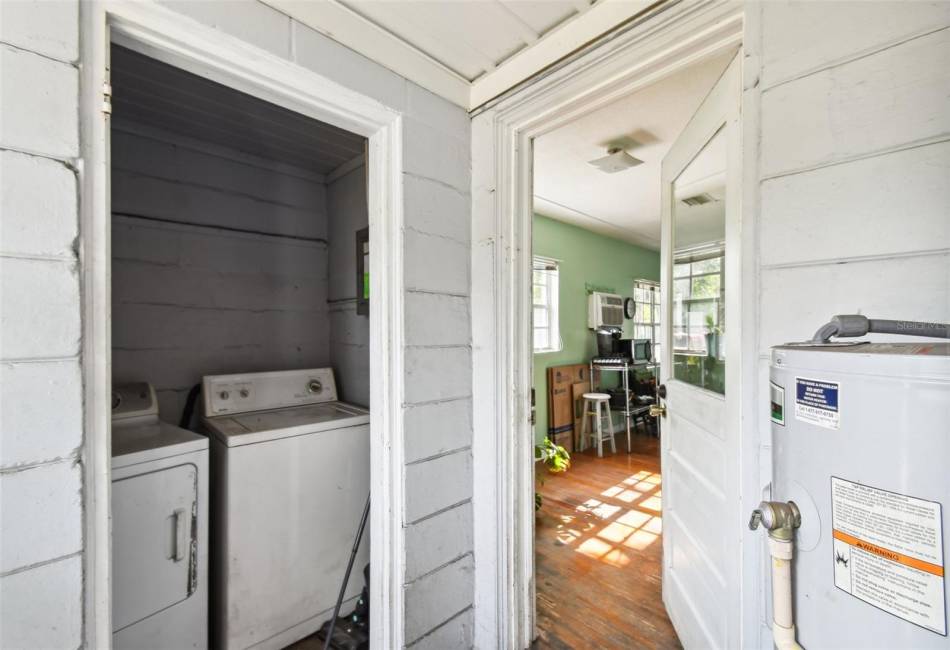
(853, 164)
(191, 299)
(41, 414)
(349, 331)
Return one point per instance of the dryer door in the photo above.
(154, 542)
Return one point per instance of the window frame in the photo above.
(655, 322)
(542, 265)
(718, 301)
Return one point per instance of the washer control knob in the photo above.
(245, 392)
(224, 394)
(314, 386)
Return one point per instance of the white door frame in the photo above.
(180, 41)
(671, 36)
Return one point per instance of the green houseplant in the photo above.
(555, 459)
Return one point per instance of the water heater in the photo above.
(861, 455)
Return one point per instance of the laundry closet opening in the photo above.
(240, 365)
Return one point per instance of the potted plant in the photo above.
(555, 460)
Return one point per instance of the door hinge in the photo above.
(107, 98)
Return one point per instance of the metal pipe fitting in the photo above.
(779, 519)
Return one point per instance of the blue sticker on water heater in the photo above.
(816, 402)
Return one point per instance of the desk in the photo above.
(624, 368)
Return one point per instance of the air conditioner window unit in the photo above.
(604, 310)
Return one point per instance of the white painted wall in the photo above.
(854, 157)
(41, 414)
(190, 299)
(41, 600)
(349, 331)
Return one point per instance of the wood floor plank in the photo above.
(598, 552)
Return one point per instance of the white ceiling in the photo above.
(467, 51)
(624, 205)
(469, 38)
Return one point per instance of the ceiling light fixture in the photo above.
(615, 161)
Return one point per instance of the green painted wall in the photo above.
(585, 258)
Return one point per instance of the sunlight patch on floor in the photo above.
(633, 525)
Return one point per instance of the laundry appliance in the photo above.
(159, 527)
(291, 476)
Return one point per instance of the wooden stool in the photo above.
(598, 406)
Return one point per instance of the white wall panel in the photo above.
(438, 540)
(436, 428)
(38, 202)
(47, 27)
(40, 411)
(890, 204)
(40, 514)
(436, 484)
(455, 634)
(438, 597)
(251, 22)
(40, 104)
(39, 309)
(884, 100)
(801, 36)
(42, 607)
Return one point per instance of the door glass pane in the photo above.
(699, 230)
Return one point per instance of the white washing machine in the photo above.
(291, 477)
(159, 527)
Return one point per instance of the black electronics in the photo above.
(608, 339)
(636, 350)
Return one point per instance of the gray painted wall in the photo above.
(41, 588)
(349, 332)
(190, 299)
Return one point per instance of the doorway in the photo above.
(503, 205)
(597, 325)
(176, 41)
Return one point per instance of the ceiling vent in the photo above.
(699, 199)
(615, 161)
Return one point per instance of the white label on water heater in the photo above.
(888, 551)
(816, 402)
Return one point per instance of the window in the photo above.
(646, 319)
(697, 304)
(544, 298)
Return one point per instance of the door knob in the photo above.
(657, 410)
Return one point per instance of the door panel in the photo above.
(700, 451)
(154, 540)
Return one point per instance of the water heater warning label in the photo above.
(817, 402)
(888, 551)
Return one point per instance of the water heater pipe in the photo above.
(780, 520)
(857, 325)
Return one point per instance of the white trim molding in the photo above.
(175, 39)
(647, 50)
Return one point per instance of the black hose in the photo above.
(189, 411)
(346, 576)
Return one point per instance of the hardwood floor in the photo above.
(598, 552)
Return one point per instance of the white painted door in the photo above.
(699, 373)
